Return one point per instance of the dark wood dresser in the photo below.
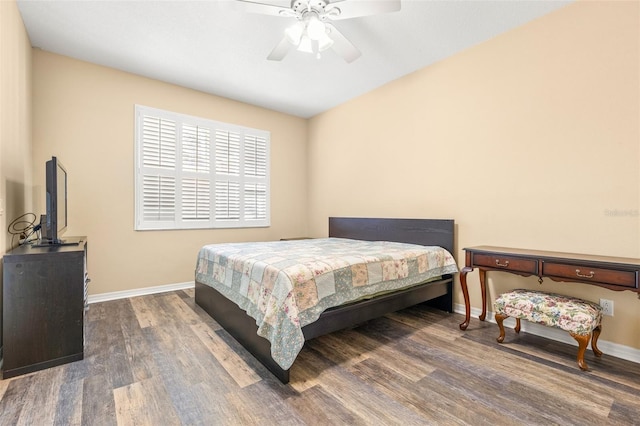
(613, 273)
(44, 298)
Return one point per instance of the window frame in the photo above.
(247, 135)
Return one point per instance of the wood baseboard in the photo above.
(104, 297)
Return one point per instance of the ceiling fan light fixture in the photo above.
(294, 33)
(324, 42)
(309, 35)
(305, 44)
(315, 28)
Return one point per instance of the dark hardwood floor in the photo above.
(161, 360)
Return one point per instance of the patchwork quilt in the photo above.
(285, 285)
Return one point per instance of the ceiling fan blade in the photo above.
(264, 8)
(342, 46)
(347, 9)
(280, 51)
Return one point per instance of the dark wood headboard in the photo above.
(426, 232)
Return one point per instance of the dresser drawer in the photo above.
(508, 263)
(587, 274)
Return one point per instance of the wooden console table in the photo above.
(613, 273)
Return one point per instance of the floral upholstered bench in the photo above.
(582, 319)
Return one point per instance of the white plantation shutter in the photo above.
(255, 201)
(196, 160)
(196, 148)
(255, 162)
(197, 173)
(196, 199)
(159, 143)
(228, 176)
(255, 171)
(227, 200)
(227, 153)
(159, 198)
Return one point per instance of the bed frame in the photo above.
(416, 231)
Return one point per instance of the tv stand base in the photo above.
(40, 243)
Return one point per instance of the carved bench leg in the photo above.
(517, 329)
(583, 341)
(499, 319)
(594, 341)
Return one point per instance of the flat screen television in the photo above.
(55, 220)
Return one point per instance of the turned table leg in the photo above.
(483, 290)
(465, 293)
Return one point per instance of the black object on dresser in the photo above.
(44, 296)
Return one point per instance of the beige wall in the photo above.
(529, 140)
(15, 120)
(84, 114)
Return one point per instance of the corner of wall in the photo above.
(16, 118)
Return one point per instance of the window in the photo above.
(198, 173)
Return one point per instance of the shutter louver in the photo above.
(158, 142)
(227, 200)
(159, 153)
(255, 160)
(227, 153)
(195, 149)
(196, 199)
(159, 194)
(255, 201)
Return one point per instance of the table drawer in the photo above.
(586, 274)
(508, 263)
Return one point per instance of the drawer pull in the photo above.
(591, 274)
(502, 265)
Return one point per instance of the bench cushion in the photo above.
(571, 314)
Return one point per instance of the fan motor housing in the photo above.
(302, 6)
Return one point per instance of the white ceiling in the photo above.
(215, 47)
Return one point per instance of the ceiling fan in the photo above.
(313, 33)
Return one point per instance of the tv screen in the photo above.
(56, 203)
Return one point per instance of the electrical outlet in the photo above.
(607, 307)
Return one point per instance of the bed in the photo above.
(244, 321)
